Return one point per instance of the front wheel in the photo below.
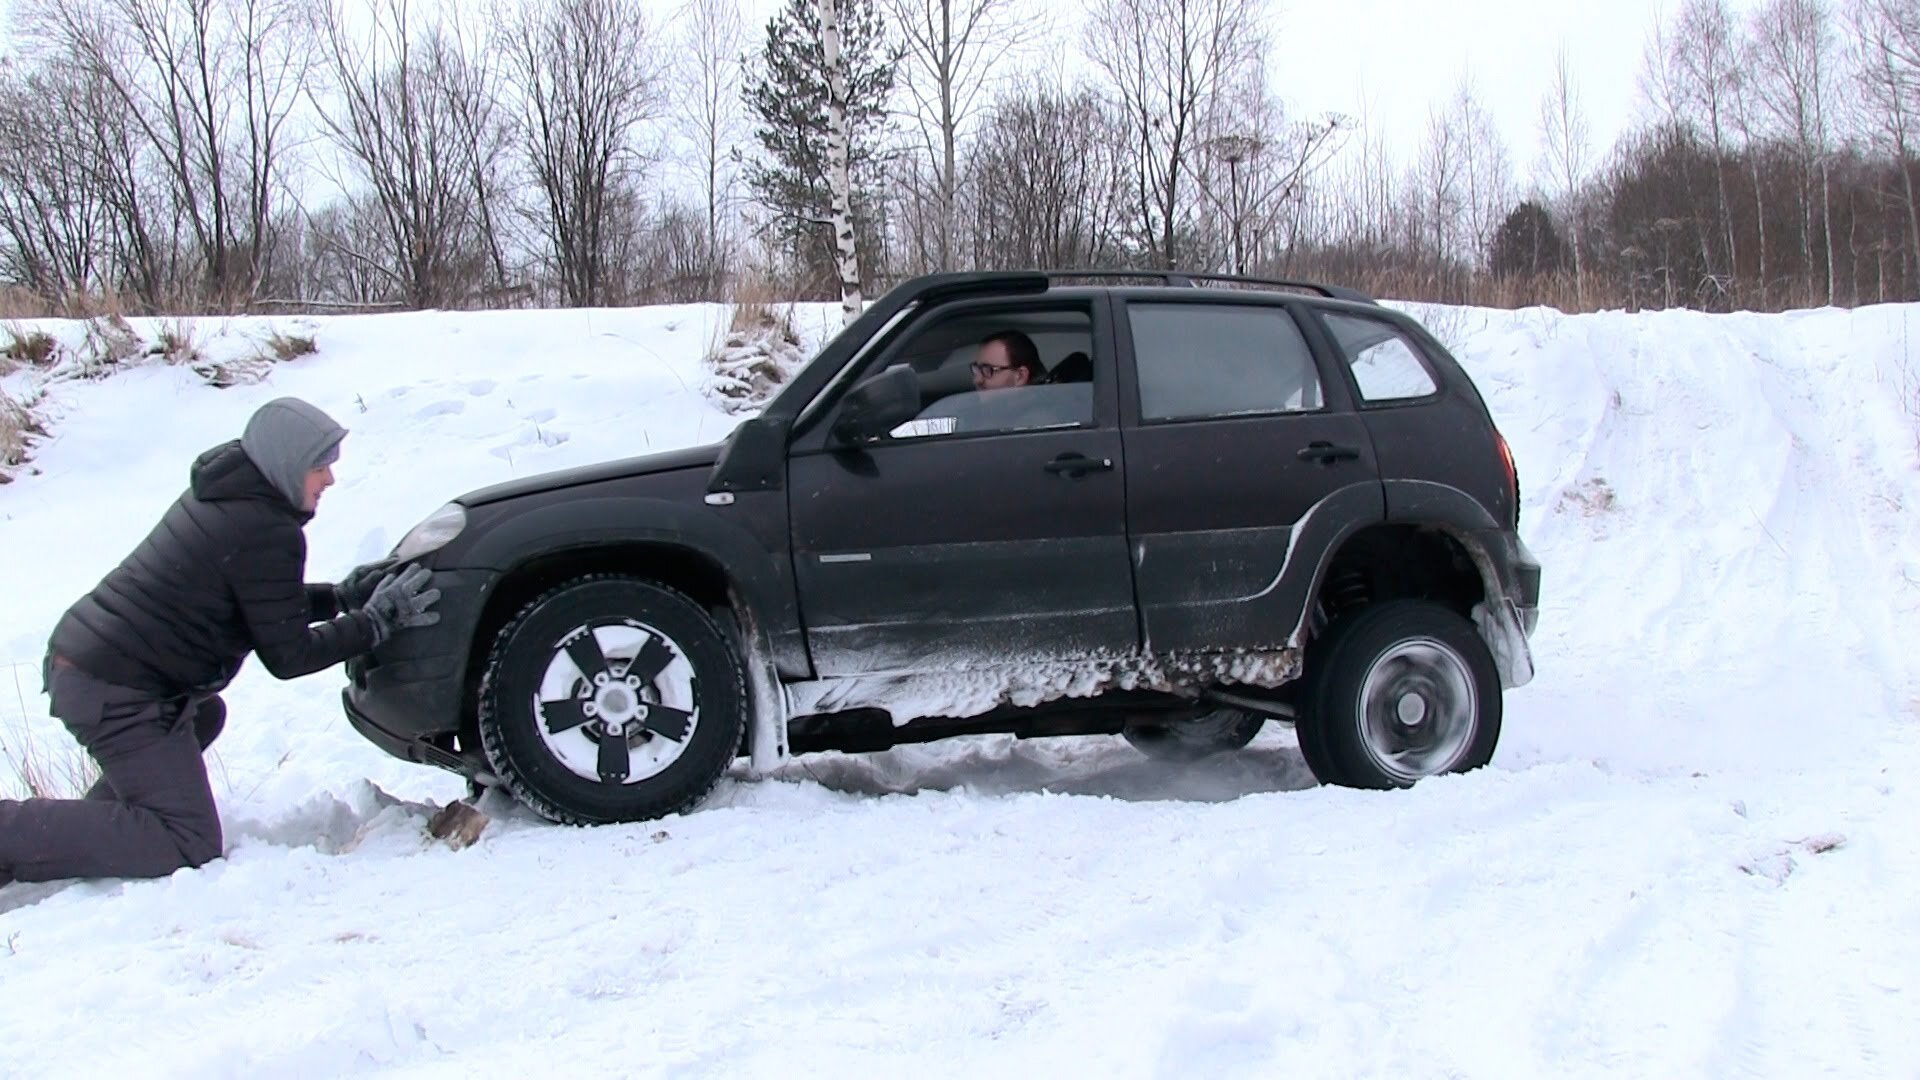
(611, 699)
(1397, 692)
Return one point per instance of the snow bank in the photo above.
(1692, 855)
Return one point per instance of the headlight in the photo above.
(434, 533)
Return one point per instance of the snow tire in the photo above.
(1396, 692)
(512, 703)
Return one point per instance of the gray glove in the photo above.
(354, 590)
(398, 604)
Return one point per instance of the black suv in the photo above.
(1224, 501)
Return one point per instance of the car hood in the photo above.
(667, 461)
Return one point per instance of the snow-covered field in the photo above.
(1695, 853)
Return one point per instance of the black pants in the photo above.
(152, 811)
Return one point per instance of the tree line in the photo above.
(249, 155)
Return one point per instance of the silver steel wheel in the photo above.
(1418, 709)
(617, 703)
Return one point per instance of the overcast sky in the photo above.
(1403, 57)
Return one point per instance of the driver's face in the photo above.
(993, 369)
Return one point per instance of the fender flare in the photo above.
(1461, 518)
(758, 578)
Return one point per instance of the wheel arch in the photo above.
(1429, 547)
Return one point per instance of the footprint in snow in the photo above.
(441, 408)
(541, 416)
(481, 387)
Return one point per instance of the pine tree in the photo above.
(787, 97)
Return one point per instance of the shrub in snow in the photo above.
(35, 348)
(111, 340)
(176, 343)
(285, 347)
(757, 356)
(18, 428)
(750, 366)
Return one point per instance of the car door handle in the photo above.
(1327, 453)
(1076, 465)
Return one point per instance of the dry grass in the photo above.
(754, 308)
(284, 347)
(111, 341)
(176, 344)
(18, 428)
(34, 348)
(37, 769)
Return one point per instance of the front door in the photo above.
(1245, 463)
(989, 531)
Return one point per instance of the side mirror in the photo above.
(878, 405)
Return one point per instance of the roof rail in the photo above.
(1190, 278)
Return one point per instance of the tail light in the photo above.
(1513, 473)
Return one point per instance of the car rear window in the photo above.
(1211, 360)
(1386, 366)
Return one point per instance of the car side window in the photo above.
(1211, 360)
(1386, 366)
(968, 380)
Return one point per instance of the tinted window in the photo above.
(1385, 364)
(1200, 360)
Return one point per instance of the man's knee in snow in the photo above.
(201, 845)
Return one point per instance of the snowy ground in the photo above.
(1694, 854)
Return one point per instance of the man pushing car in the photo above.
(134, 669)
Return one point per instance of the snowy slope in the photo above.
(1692, 856)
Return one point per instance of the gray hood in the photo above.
(286, 439)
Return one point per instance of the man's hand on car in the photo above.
(357, 587)
(398, 603)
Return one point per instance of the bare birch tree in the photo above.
(1706, 61)
(1887, 41)
(209, 85)
(56, 219)
(1564, 150)
(397, 118)
(1165, 58)
(952, 47)
(1255, 165)
(1486, 172)
(1793, 45)
(1436, 181)
(582, 73)
(839, 173)
(706, 106)
(1046, 181)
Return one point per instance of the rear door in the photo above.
(992, 529)
(1245, 463)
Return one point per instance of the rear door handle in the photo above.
(1077, 465)
(1327, 453)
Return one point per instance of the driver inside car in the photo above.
(1006, 360)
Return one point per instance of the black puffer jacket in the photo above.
(222, 575)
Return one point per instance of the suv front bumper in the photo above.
(413, 688)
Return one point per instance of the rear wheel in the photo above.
(1397, 692)
(611, 699)
(1217, 732)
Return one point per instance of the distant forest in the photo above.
(181, 156)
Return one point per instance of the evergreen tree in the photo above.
(787, 97)
(1527, 244)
